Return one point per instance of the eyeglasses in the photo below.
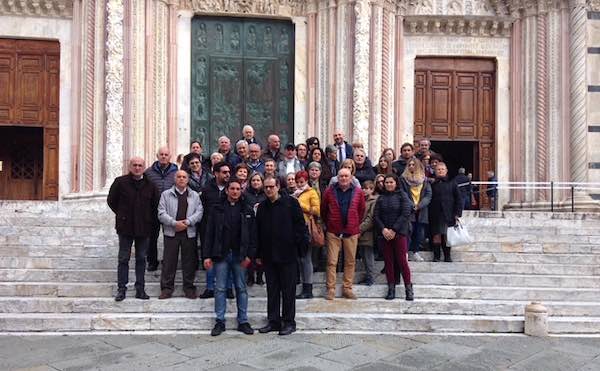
(269, 187)
(195, 163)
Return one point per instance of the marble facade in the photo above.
(125, 76)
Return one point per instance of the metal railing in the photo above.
(552, 186)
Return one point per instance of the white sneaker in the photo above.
(418, 257)
(411, 256)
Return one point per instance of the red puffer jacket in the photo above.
(332, 214)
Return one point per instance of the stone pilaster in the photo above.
(375, 80)
(114, 90)
(577, 75)
(160, 60)
(516, 123)
(135, 104)
(399, 117)
(332, 67)
(541, 101)
(312, 67)
(184, 83)
(387, 78)
(362, 10)
(530, 95)
(322, 69)
(343, 81)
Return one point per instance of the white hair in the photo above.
(241, 142)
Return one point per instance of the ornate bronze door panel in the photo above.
(242, 73)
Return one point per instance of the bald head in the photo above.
(181, 179)
(274, 142)
(136, 166)
(163, 155)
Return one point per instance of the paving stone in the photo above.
(333, 341)
(382, 366)
(151, 354)
(593, 365)
(288, 356)
(358, 354)
(522, 345)
(431, 355)
(549, 360)
(314, 364)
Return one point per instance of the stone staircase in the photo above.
(58, 274)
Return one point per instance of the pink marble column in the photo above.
(541, 101)
(75, 96)
(399, 119)
(312, 68)
(172, 81)
(331, 52)
(516, 140)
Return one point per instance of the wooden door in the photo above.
(242, 73)
(29, 112)
(455, 101)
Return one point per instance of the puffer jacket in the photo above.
(392, 211)
(310, 203)
(332, 214)
(163, 179)
(446, 202)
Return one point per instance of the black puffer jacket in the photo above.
(213, 247)
(392, 210)
(446, 202)
(364, 173)
(198, 184)
(253, 197)
(163, 179)
(422, 213)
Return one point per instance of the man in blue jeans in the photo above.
(230, 244)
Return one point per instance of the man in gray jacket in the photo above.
(179, 210)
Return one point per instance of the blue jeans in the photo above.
(416, 237)
(231, 264)
(211, 276)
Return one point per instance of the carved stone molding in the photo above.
(114, 89)
(362, 10)
(461, 26)
(578, 90)
(594, 5)
(37, 8)
(261, 7)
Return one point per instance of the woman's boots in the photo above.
(391, 294)
(306, 291)
(436, 252)
(447, 257)
(410, 295)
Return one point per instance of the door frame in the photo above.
(486, 147)
(50, 49)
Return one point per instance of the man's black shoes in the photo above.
(245, 328)
(268, 328)
(120, 295)
(207, 294)
(218, 329)
(141, 294)
(287, 330)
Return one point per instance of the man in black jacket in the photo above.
(230, 244)
(134, 200)
(279, 249)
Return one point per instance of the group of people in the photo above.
(247, 210)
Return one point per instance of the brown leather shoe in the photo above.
(330, 294)
(165, 295)
(349, 294)
(191, 295)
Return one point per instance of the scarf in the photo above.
(299, 191)
(413, 181)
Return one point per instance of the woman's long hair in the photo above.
(325, 169)
(418, 176)
(387, 170)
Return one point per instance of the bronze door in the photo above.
(242, 73)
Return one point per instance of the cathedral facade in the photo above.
(86, 84)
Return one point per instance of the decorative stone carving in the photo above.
(264, 7)
(362, 10)
(577, 73)
(454, 7)
(542, 107)
(114, 89)
(480, 26)
(594, 5)
(37, 8)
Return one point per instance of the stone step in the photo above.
(316, 305)
(574, 325)
(53, 322)
(427, 266)
(423, 278)
(104, 290)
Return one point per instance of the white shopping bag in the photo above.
(458, 235)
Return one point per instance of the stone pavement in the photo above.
(300, 351)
